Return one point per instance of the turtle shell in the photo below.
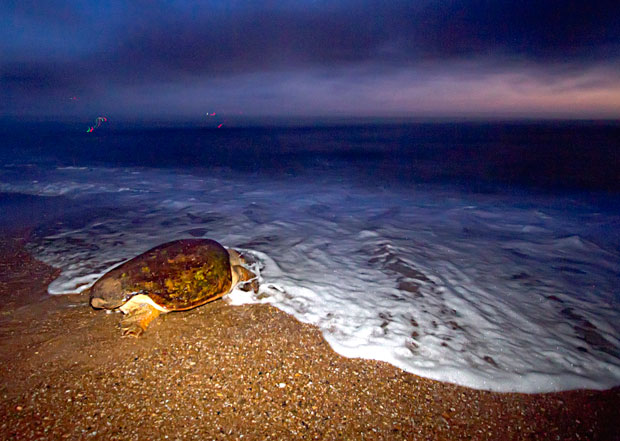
(177, 275)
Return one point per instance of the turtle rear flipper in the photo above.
(138, 316)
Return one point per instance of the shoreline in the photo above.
(220, 372)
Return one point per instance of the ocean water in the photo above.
(486, 255)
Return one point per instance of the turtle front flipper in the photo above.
(240, 273)
(246, 279)
(138, 316)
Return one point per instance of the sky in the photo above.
(343, 58)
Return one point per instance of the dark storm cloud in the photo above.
(242, 39)
(392, 32)
(61, 45)
(550, 29)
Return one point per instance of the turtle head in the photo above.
(107, 293)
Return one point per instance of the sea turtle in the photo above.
(175, 276)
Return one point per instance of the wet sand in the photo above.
(224, 372)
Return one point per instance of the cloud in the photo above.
(539, 30)
(95, 50)
(242, 38)
(366, 92)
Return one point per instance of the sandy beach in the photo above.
(232, 372)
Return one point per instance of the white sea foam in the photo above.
(498, 293)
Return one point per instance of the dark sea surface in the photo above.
(545, 155)
(485, 254)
